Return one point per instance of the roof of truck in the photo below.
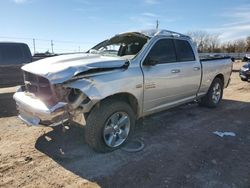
(154, 32)
(150, 33)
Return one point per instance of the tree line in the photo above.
(210, 43)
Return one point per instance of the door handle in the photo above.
(175, 71)
(197, 68)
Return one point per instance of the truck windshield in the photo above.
(121, 45)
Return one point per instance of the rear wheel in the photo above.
(109, 125)
(214, 94)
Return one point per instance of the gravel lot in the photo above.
(180, 149)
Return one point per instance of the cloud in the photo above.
(237, 16)
(228, 33)
(149, 14)
(87, 9)
(151, 2)
(148, 20)
(85, 2)
(20, 1)
(143, 21)
(236, 25)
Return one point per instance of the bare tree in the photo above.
(240, 45)
(228, 47)
(214, 43)
(248, 44)
(205, 42)
(199, 37)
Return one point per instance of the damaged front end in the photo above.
(66, 87)
(41, 103)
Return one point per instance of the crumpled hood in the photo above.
(62, 68)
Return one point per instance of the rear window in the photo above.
(11, 54)
(184, 51)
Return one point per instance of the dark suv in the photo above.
(12, 57)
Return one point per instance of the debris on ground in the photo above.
(134, 146)
(222, 134)
(28, 159)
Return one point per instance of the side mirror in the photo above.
(151, 61)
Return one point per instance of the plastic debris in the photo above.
(221, 134)
(133, 146)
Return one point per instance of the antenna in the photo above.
(157, 24)
(34, 45)
(52, 46)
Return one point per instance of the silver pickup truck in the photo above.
(120, 80)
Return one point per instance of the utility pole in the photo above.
(157, 24)
(52, 45)
(34, 45)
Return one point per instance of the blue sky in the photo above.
(79, 24)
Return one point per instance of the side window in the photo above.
(11, 54)
(184, 51)
(163, 51)
(27, 57)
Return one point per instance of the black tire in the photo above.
(243, 79)
(97, 120)
(207, 100)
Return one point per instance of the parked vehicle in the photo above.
(12, 57)
(120, 80)
(245, 72)
(246, 58)
(38, 56)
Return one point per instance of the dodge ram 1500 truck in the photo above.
(120, 80)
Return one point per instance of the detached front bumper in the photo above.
(34, 112)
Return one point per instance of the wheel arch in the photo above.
(126, 97)
(221, 77)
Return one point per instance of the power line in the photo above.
(39, 44)
(46, 40)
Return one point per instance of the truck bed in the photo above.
(214, 57)
(213, 66)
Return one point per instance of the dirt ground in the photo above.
(180, 149)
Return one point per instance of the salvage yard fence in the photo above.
(234, 55)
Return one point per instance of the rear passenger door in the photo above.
(174, 79)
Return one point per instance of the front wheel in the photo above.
(109, 125)
(214, 94)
